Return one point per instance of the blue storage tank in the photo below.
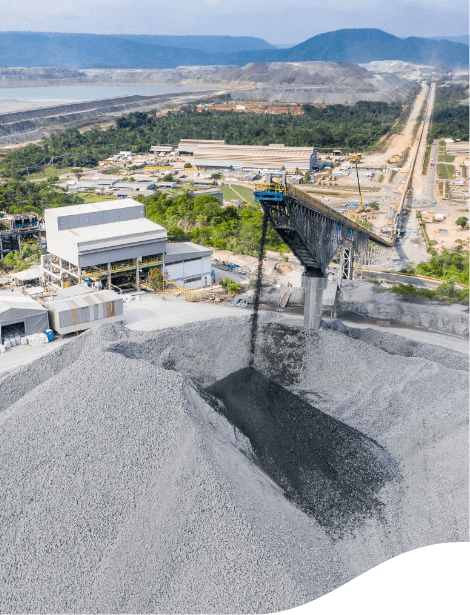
(50, 335)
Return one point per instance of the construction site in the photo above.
(184, 456)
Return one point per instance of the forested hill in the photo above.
(209, 44)
(146, 51)
(367, 45)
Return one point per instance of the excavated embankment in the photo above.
(156, 472)
(21, 124)
(369, 300)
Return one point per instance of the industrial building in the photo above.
(84, 309)
(18, 229)
(112, 244)
(217, 192)
(191, 146)
(21, 314)
(458, 148)
(259, 158)
(162, 149)
(188, 263)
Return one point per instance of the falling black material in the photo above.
(256, 300)
(331, 471)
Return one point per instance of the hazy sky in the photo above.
(277, 21)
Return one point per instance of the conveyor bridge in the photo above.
(312, 230)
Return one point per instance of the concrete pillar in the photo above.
(109, 276)
(137, 276)
(313, 309)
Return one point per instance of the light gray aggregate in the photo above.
(123, 490)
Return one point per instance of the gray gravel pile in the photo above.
(331, 471)
(124, 490)
(394, 344)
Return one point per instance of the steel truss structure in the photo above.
(314, 232)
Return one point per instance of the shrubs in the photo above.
(451, 267)
(445, 293)
(229, 284)
(19, 261)
(204, 220)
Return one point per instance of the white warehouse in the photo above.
(113, 243)
(274, 157)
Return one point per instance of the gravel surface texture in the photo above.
(128, 487)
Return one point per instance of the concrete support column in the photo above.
(313, 309)
(109, 276)
(137, 276)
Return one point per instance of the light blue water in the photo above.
(76, 93)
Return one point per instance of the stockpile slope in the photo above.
(32, 124)
(128, 485)
(330, 82)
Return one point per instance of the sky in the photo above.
(277, 21)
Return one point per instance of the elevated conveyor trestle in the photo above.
(314, 232)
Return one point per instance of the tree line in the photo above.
(355, 127)
(450, 118)
(203, 220)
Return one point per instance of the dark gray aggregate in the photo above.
(124, 490)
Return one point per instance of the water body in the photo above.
(31, 97)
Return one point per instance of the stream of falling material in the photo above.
(259, 281)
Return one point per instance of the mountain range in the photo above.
(157, 51)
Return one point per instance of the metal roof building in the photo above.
(219, 155)
(166, 149)
(190, 146)
(85, 310)
(16, 308)
(114, 241)
(217, 192)
(105, 232)
(188, 262)
(137, 185)
(26, 276)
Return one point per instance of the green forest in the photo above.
(349, 127)
(450, 119)
(452, 267)
(20, 196)
(204, 220)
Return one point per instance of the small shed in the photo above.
(19, 311)
(73, 291)
(85, 311)
(28, 276)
